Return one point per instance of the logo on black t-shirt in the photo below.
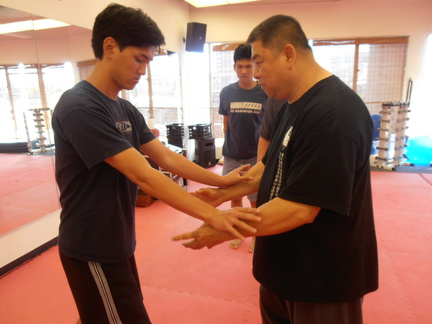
(124, 126)
(277, 181)
(287, 138)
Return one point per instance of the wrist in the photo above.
(222, 182)
(222, 195)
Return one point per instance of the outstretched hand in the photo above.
(204, 236)
(232, 220)
(235, 176)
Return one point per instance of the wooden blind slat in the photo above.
(360, 41)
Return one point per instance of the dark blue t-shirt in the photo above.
(98, 202)
(245, 110)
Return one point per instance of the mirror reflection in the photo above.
(36, 67)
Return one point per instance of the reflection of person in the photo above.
(242, 105)
(98, 137)
(316, 252)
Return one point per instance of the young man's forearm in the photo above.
(180, 165)
(244, 188)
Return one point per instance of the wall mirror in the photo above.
(37, 65)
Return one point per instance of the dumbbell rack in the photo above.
(39, 120)
(394, 116)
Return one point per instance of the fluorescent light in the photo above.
(211, 3)
(240, 1)
(206, 3)
(21, 26)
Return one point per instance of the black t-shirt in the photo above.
(272, 108)
(98, 202)
(319, 156)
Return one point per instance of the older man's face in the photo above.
(270, 71)
(265, 65)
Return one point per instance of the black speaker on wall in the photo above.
(195, 37)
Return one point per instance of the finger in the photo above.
(182, 237)
(210, 196)
(244, 226)
(235, 233)
(247, 213)
(205, 192)
(241, 171)
(247, 210)
(193, 245)
(188, 244)
(244, 167)
(204, 196)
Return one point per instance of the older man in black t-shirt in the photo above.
(316, 250)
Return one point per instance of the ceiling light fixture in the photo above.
(39, 24)
(211, 3)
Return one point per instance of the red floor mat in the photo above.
(216, 286)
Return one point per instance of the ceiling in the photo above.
(293, 1)
(11, 15)
(279, 2)
(8, 15)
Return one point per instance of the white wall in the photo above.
(74, 49)
(170, 15)
(342, 19)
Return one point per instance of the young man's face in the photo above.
(130, 64)
(245, 70)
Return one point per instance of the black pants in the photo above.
(106, 292)
(276, 310)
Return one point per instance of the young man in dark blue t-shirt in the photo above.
(242, 106)
(99, 141)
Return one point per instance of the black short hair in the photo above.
(128, 26)
(277, 31)
(243, 51)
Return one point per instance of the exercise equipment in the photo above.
(175, 134)
(392, 138)
(205, 151)
(419, 150)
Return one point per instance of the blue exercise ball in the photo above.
(376, 119)
(376, 124)
(419, 150)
